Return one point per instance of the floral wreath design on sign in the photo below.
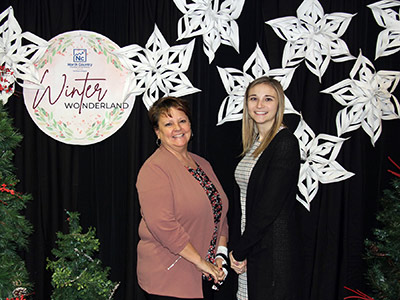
(101, 126)
(60, 129)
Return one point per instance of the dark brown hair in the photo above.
(162, 107)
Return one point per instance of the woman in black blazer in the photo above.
(265, 239)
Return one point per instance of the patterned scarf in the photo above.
(215, 201)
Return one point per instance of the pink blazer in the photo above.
(175, 210)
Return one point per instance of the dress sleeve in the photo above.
(274, 188)
(157, 208)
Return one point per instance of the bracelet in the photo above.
(223, 256)
(225, 269)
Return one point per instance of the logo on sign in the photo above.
(80, 55)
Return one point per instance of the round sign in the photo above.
(82, 99)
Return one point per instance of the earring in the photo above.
(158, 142)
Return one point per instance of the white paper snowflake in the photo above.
(18, 58)
(236, 82)
(313, 36)
(157, 69)
(319, 163)
(388, 41)
(215, 22)
(368, 98)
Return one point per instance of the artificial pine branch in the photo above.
(14, 228)
(9, 141)
(76, 273)
(383, 252)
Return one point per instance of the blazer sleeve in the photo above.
(270, 187)
(157, 208)
(225, 228)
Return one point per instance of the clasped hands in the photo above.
(209, 269)
(238, 266)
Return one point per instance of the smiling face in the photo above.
(174, 130)
(262, 106)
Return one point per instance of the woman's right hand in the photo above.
(189, 253)
(214, 271)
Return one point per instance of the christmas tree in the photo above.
(14, 228)
(76, 274)
(383, 252)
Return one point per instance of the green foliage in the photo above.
(14, 228)
(383, 253)
(76, 275)
(9, 140)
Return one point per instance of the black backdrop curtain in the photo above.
(99, 180)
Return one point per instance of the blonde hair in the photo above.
(249, 128)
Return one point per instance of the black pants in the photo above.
(207, 292)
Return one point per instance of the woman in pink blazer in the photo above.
(183, 231)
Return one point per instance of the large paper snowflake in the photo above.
(368, 98)
(388, 41)
(16, 58)
(215, 22)
(313, 36)
(318, 154)
(157, 68)
(236, 82)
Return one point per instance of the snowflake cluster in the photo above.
(17, 58)
(214, 22)
(157, 69)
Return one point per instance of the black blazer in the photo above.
(270, 242)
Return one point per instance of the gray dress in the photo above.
(242, 175)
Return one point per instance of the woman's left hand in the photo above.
(238, 266)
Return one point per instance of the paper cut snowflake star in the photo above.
(236, 82)
(157, 68)
(368, 98)
(16, 58)
(215, 22)
(388, 41)
(313, 36)
(319, 163)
